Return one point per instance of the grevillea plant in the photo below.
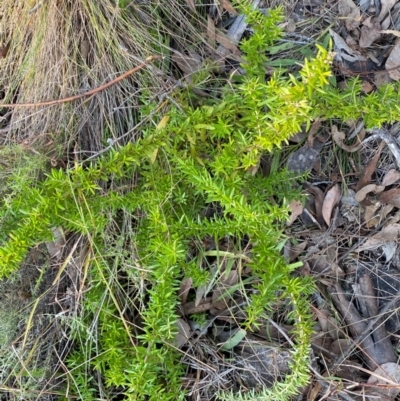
(196, 156)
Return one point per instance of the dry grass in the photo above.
(62, 48)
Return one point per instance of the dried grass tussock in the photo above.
(56, 49)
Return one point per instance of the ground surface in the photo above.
(345, 234)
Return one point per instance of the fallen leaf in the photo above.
(367, 87)
(184, 289)
(339, 137)
(386, 5)
(388, 377)
(296, 250)
(220, 296)
(226, 42)
(323, 265)
(296, 209)
(390, 197)
(183, 334)
(55, 247)
(344, 51)
(382, 78)
(371, 218)
(369, 169)
(391, 177)
(370, 32)
(318, 201)
(351, 14)
(228, 7)
(332, 198)
(188, 64)
(211, 31)
(393, 62)
(363, 192)
(387, 234)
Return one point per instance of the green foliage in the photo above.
(197, 156)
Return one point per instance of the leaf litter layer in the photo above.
(337, 250)
(346, 233)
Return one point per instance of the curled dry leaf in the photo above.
(371, 217)
(344, 51)
(363, 192)
(339, 137)
(332, 198)
(391, 177)
(296, 209)
(318, 200)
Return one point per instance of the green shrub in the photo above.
(195, 157)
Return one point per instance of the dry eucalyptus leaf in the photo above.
(328, 323)
(393, 61)
(339, 137)
(211, 31)
(387, 234)
(382, 78)
(390, 197)
(332, 198)
(228, 7)
(55, 247)
(184, 289)
(227, 42)
(363, 192)
(351, 13)
(344, 51)
(370, 216)
(200, 294)
(183, 335)
(391, 177)
(296, 250)
(386, 5)
(370, 32)
(296, 209)
(187, 64)
(369, 169)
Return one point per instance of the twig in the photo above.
(88, 93)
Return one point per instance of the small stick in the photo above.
(88, 93)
